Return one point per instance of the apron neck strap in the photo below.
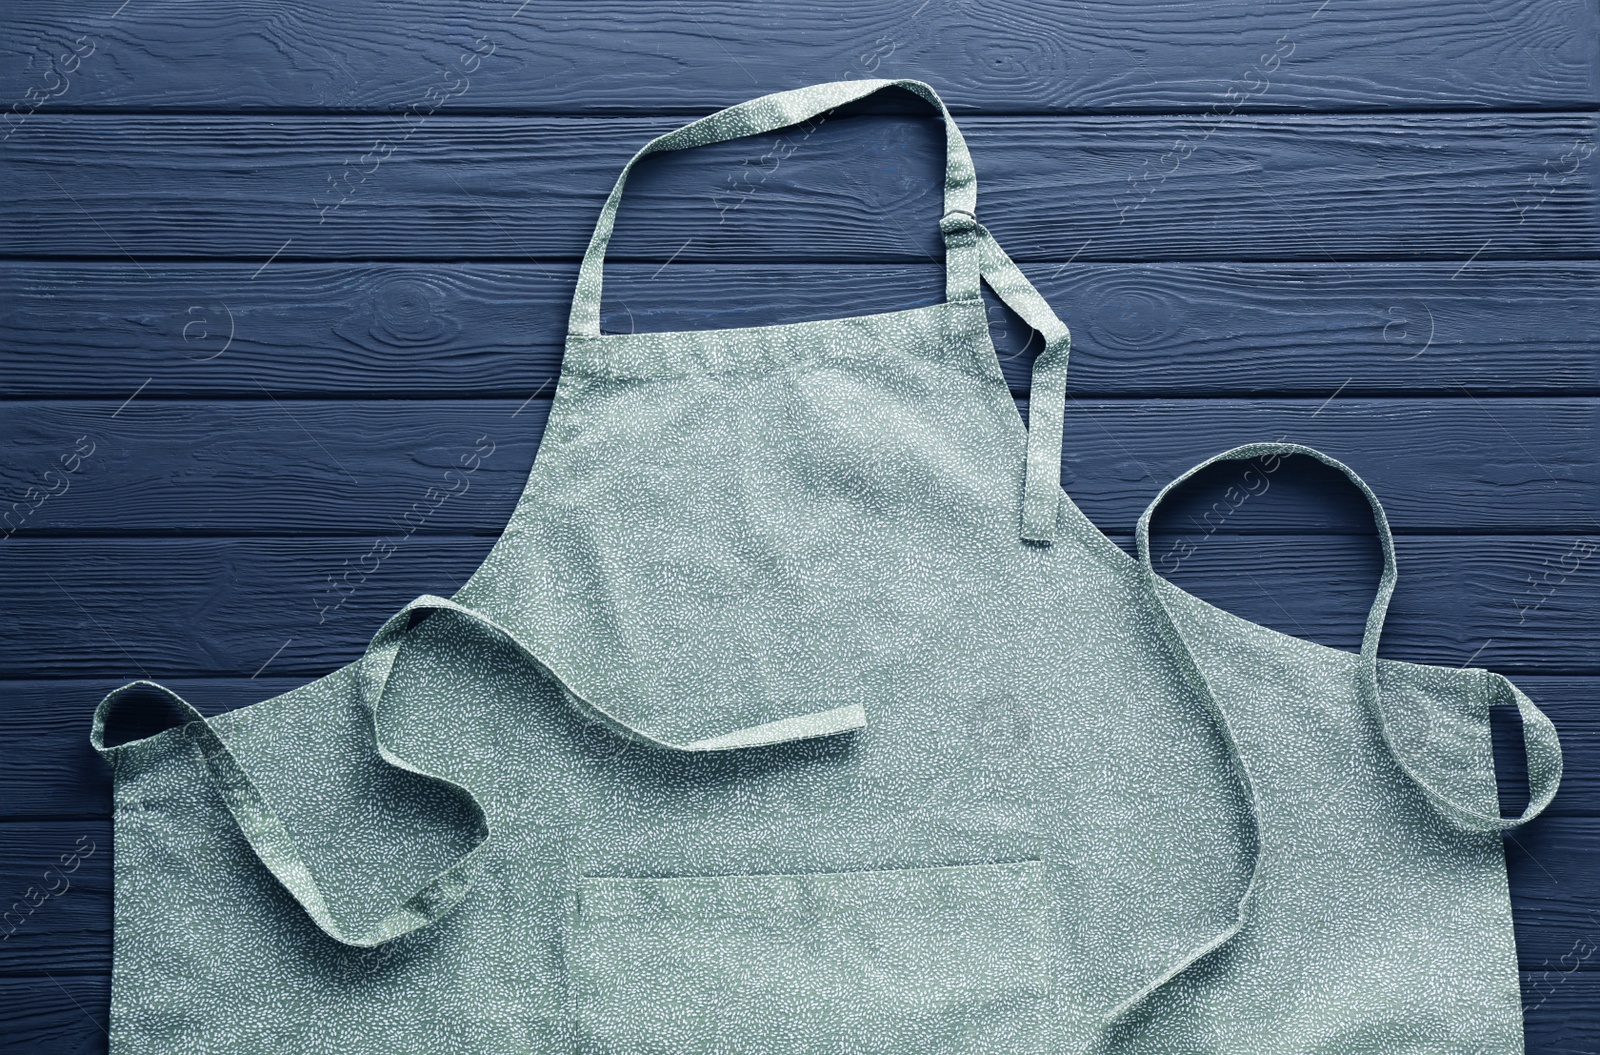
(1540, 743)
(769, 113)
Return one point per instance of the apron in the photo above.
(796, 710)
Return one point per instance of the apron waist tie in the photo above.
(273, 845)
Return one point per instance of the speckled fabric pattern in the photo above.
(799, 710)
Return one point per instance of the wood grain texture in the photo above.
(568, 56)
(1552, 866)
(1296, 187)
(53, 775)
(167, 608)
(443, 330)
(266, 466)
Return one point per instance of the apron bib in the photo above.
(797, 710)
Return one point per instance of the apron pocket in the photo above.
(949, 959)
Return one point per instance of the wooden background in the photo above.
(239, 345)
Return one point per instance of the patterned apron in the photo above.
(797, 710)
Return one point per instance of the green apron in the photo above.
(797, 710)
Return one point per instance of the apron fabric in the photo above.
(797, 709)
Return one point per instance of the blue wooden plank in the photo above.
(566, 56)
(1442, 187)
(439, 330)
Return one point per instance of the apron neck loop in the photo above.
(769, 113)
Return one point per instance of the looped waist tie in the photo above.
(271, 842)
